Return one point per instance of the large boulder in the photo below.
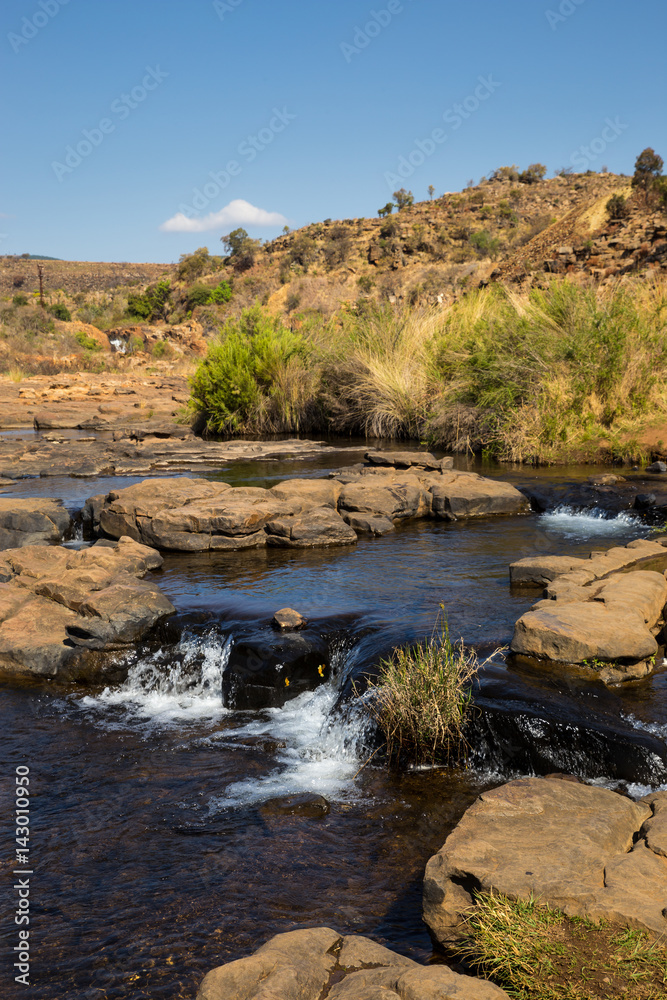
(317, 962)
(62, 611)
(318, 527)
(580, 849)
(32, 522)
(462, 495)
(267, 668)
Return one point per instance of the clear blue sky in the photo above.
(311, 114)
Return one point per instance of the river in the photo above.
(162, 843)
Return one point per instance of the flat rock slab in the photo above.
(32, 522)
(581, 849)
(595, 613)
(62, 612)
(316, 962)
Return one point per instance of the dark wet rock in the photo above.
(369, 524)
(300, 804)
(32, 522)
(266, 669)
(643, 501)
(316, 962)
(288, 618)
(62, 612)
(657, 467)
(605, 871)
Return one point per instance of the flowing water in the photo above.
(166, 833)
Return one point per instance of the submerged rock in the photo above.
(266, 669)
(317, 962)
(62, 612)
(577, 848)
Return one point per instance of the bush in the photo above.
(20, 300)
(648, 167)
(422, 697)
(485, 244)
(139, 306)
(241, 248)
(532, 174)
(193, 265)
(153, 304)
(617, 207)
(198, 295)
(255, 376)
(87, 342)
(60, 312)
(220, 294)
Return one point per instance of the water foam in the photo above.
(567, 522)
(171, 686)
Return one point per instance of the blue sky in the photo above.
(138, 130)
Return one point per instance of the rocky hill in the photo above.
(19, 274)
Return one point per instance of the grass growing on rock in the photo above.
(537, 953)
(422, 697)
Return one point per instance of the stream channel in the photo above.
(163, 843)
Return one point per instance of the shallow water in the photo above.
(159, 848)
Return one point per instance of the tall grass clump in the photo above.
(422, 696)
(257, 377)
(378, 380)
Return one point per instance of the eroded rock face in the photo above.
(592, 614)
(62, 611)
(32, 522)
(308, 964)
(584, 850)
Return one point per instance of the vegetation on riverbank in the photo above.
(536, 377)
(537, 953)
(422, 696)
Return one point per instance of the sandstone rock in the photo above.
(30, 522)
(288, 618)
(58, 606)
(657, 467)
(574, 847)
(313, 963)
(309, 492)
(406, 459)
(368, 524)
(465, 495)
(320, 526)
(540, 570)
(572, 633)
(395, 501)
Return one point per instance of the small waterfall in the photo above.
(171, 686)
(569, 523)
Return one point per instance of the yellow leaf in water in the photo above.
(320, 670)
(287, 682)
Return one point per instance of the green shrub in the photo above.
(153, 304)
(160, 348)
(255, 376)
(60, 312)
(617, 207)
(485, 244)
(139, 306)
(20, 300)
(198, 295)
(87, 342)
(533, 174)
(220, 294)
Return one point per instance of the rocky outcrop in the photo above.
(586, 851)
(63, 612)
(32, 522)
(318, 962)
(197, 514)
(594, 613)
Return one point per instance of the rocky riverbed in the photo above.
(269, 813)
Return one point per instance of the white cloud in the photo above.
(236, 213)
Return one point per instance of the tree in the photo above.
(431, 192)
(241, 248)
(386, 210)
(192, 265)
(532, 174)
(617, 207)
(648, 167)
(403, 198)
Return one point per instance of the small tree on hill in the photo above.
(403, 198)
(431, 192)
(386, 210)
(617, 207)
(241, 248)
(532, 174)
(648, 168)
